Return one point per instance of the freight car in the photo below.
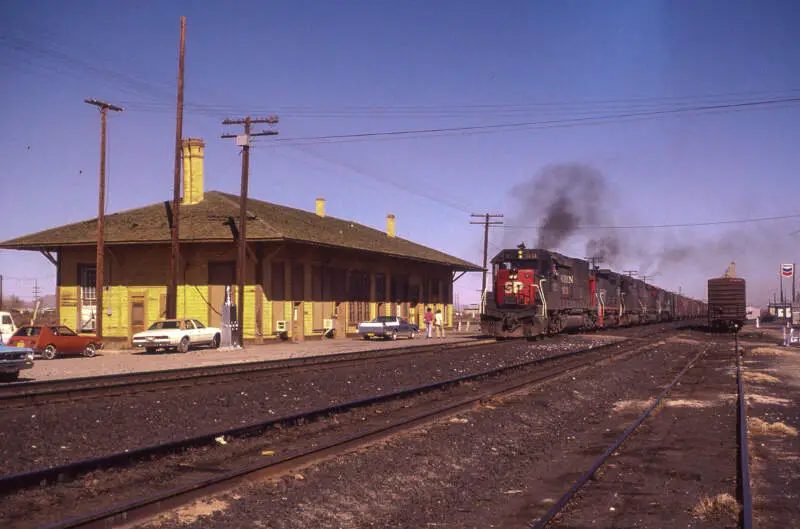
(540, 292)
(727, 304)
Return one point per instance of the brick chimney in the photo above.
(390, 225)
(193, 154)
(321, 207)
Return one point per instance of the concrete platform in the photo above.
(109, 362)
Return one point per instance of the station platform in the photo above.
(117, 361)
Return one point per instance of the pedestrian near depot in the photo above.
(428, 323)
(438, 322)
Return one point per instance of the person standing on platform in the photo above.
(428, 323)
(438, 322)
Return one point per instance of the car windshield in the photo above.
(165, 325)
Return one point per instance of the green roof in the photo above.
(208, 221)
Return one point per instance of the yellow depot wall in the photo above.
(144, 269)
(153, 295)
(192, 302)
(249, 316)
(115, 301)
(68, 311)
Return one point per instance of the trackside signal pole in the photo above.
(486, 223)
(98, 311)
(243, 141)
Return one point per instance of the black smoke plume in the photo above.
(563, 200)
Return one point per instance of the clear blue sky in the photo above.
(329, 68)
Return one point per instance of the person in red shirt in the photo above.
(428, 323)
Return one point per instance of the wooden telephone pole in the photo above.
(486, 223)
(172, 294)
(98, 311)
(243, 141)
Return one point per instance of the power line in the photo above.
(524, 125)
(357, 169)
(660, 226)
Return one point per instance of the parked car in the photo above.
(177, 334)
(387, 327)
(13, 360)
(53, 340)
(7, 327)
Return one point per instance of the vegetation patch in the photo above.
(684, 403)
(767, 351)
(679, 339)
(635, 405)
(760, 377)
(758, 426)
(766, 399)
(716, 508)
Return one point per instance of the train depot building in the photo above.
(307, 272)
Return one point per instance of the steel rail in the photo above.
(48, 391)
(743, 488)
(35, 392)
(70, 471)
(130, 512)
(581, 481)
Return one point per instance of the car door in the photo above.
(67, 340)
(190, 331)
(203, 332)
(405, 327)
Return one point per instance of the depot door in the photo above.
(138, 314)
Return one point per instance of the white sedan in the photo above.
(176, 334)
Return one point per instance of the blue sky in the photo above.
(331, 68)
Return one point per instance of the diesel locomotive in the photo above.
(539, 292)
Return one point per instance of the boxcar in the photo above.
(727, 304)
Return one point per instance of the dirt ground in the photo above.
(772, 386)
(506, 463)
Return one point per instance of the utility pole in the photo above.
(486, 223)
(243, 141)
(172, 294)
(98, 311)
(36, 290)
(1, 291)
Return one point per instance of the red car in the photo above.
(52, 340)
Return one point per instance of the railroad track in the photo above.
(73, 389)
(49, 391)
(450, 397)
(743, 474)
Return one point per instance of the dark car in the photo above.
(387, 327)
(52, 340)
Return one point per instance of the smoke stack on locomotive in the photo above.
(540, 292)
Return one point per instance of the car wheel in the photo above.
(412, 335)
(215, 341)
(49, 352)
(183, 347)
(150, 350)
(90, 350)
(365, 337)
